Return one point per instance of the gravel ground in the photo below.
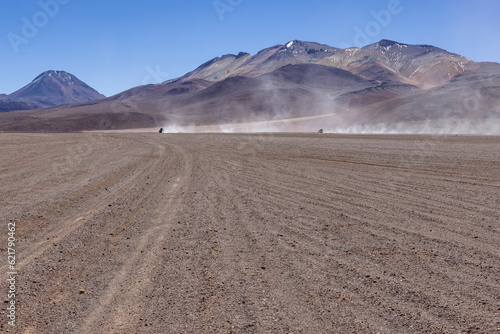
(221, 233)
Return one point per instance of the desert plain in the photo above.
(252, 233)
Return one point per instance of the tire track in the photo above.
(69, 225)
(139, 266)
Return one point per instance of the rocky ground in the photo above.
(202, 233)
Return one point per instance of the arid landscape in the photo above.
(253, 233)
(237, 167)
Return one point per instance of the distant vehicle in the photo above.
(320, 131)
(161, 130)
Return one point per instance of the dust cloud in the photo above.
(489, 127)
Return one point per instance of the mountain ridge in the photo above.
(385, 81)
(389, 56)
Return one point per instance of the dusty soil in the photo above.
(201, 233)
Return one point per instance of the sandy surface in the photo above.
(150, 233)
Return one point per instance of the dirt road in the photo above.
(150, 233)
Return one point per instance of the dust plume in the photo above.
(490, 127)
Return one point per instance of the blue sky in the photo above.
(113, 45)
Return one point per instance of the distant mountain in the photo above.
(53, 88)
(385, 82)
(425, 66)
(2, 95)
(265, 61)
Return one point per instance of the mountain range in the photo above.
(315, 85)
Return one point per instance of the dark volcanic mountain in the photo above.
(53, 88)
(385, 82)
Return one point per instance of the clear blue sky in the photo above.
(114, 45)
